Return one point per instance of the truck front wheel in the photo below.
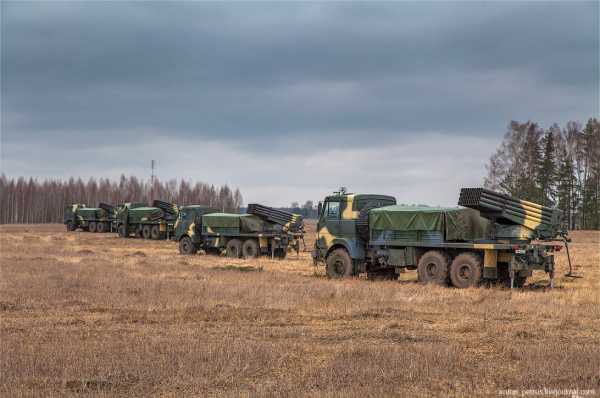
(339, 264)
(433, 267)
(92, 227)
(186, 246)
(465, 270)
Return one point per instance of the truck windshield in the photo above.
(332, 210)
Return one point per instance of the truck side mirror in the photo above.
(320, 209)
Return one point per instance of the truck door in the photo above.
(328, 227)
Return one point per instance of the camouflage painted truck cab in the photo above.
(92, 219)
(147, 222)
(237, 235)
(491, 240)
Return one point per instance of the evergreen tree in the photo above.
(566, 176)
(546, 170)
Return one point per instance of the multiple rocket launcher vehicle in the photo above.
(262, 231)
(491, 237)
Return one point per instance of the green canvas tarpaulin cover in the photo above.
(90, 212)
(251, 223)
(146, 213)
(221, 220)
(457, 223)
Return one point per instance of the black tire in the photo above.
(234, 248)
(250, 249)
(187, 247)
(123, 231)
(339, 264)
(146, 231)
(155, 232)
(433, 267)
(92, 226)
(465, 270)
(101, 227)
(71, 226)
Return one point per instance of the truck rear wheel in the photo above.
(155, 232)
(250, 249)
(234, 248)
(92, 226)
(433, 267)
(100, 227)
(339, 264)
(146, 232)
(465, 270)
(123, 231)
(186, 246)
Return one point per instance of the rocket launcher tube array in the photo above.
(500, 206)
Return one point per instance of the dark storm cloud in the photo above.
(384, 97)
(72, 71)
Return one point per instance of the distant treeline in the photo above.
(307, 210)
(554, 167)
(26, 201)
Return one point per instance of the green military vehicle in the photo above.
(263, 231)
(92, 219)
(147, 222)
(490, 238)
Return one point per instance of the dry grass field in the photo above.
(97, 315)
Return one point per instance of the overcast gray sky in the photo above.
(289, 101)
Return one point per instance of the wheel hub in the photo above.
(431, 268)
(465, 272)
(339, 266)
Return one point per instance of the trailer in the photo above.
(489, 237)
(263, 231)
(147, 222)
(91, 219)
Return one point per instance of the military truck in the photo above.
(262, 231)
(490, 238)
(92, 219)
(147, 222)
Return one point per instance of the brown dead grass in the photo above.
(95, 314)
